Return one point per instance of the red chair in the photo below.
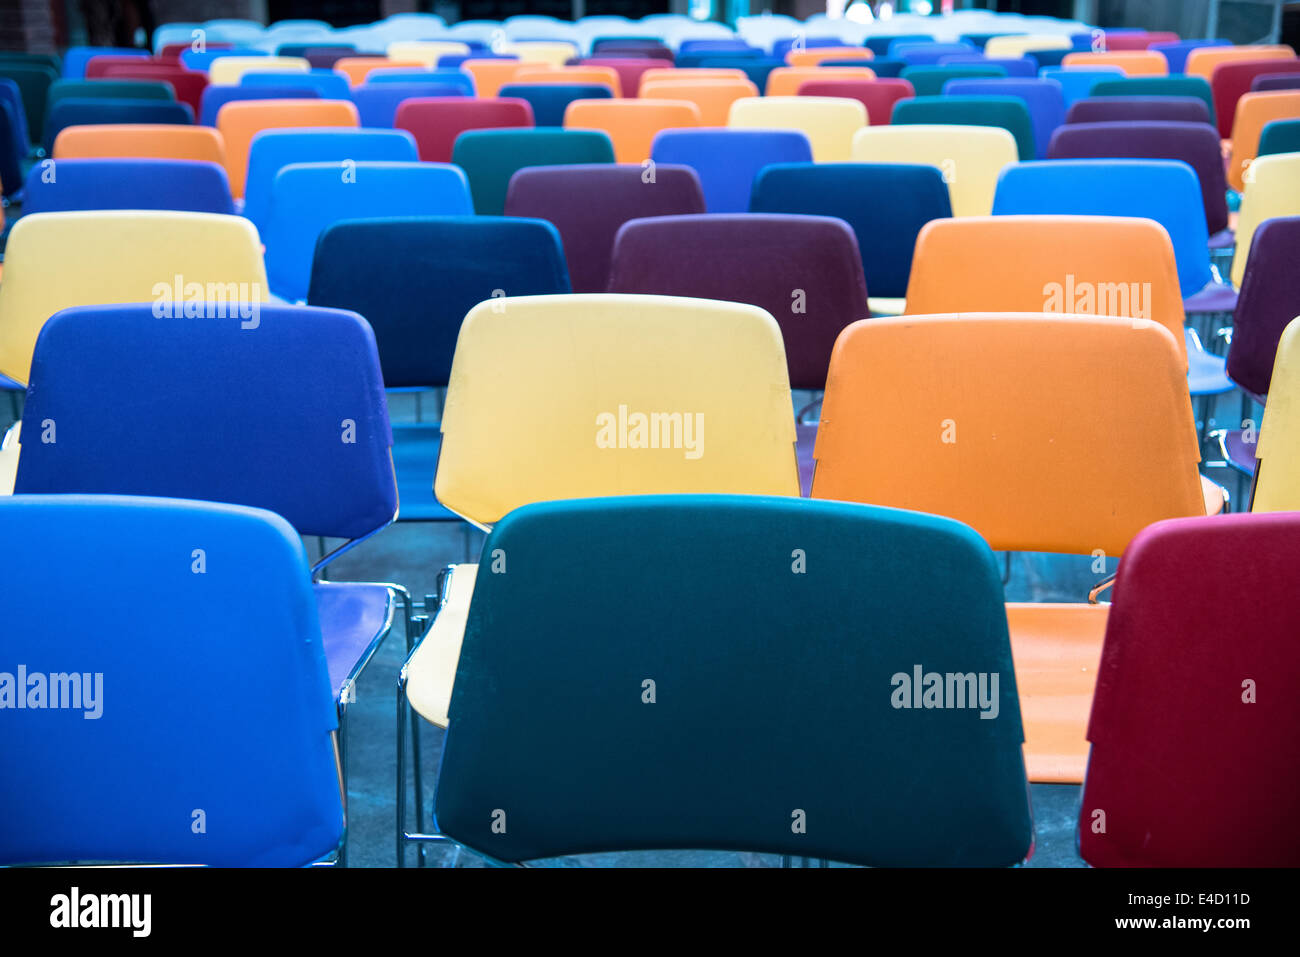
(1195, 725)
(629, 70)
(435, 122)
(878, 96)
(1231, 81)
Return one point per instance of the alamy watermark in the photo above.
(71, 691)
(931, 689)
(651, 430)
(179, 299)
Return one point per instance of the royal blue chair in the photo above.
(308, 197)
(77, 112)
(377, 103)
(13, 150)
(75, 59)
(727, 161)
(440, 76)
(11, 94)
(1077, 84)
(78, 184)
(563, 699)
(1022, 67)
(414, 279)
(1043, 98)
(215, 97)
(1176, 53)
(549, 100)
(193, 722)
(273, 150)
(927, 53)
(327, 83)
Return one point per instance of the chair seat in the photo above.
(1237, 452)
(415, 457)
(1056, 649)
(431, 669)
(355, 617)
(1207, 373)
(805, 442)
(1215, 297)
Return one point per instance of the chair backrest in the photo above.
(1020, 44)
(930, 80)
(631, 124)
(1203, 61)
(415, 278)
(107, 90)
(713, 98)
(629, 70)
(1132, 62)
(1008, 112)
(1277, 482)
(1280, 136)
(1091, 265)
(266, 769)
(1269, 299)
(68, 113)
(490, 75)
(727, 160)
(1021, 66)
(1254, 112)
(491, 157)
(57, 260)
(1275, 81)
(1192, 143)
(1231, 81)
(228, 70)
(377, 103)
(240, 121)
(308, 197)
(437, 122)
(550, 100)
(1186, 736)
(786, 80)
(77, 59)
(1176, 53)
(970, 157)
(1166, 191)
(1158, 86)
(1076, 84)
(1043, 433)
(187, 86)
(34, 81)
(1272, 189)
(829, 122)
(141, 141)
(310, 439)
(579, 396)
(804, 270)
(357, 69)
(566, 76)
(440, 77)
(878, 96)
(81, 184)
(330, 86)
(215, 97)
(965, 801)
(12, 96)
(588, 205)
(1110, 109)
(272, 150)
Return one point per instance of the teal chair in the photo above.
(1008, 112)
(1280, 136)
(1157, 86)
(34, 80)
(653, 697)
(490, 157)
(928, 80)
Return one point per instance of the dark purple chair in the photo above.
(1275, 81)
(588, 203)
(1196, 144)
(805, 270)
(1113, 109)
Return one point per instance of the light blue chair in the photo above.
(1077, 84)
(377, 103)
(412, 75)
(76, 58)
(727, 161)
(1043, 98)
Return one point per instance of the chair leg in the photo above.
(344, 754)
(401, 770)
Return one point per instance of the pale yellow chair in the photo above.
(1202, 61)
(554, 52)
(57, 260)
(1017, 46)
(1254, 112)
(1272, 189)
(786, 80)
(829, 122)
(427, 52)
(227, 70)
(1277, 483)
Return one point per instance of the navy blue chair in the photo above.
(414, 279)
(199, 697)
(727, 161)
(881, 66)
(377, 103)
(128, 184)
(215, 97)
(13, 150)
(1044, 99)
(11, 94)
(549, 100)
(76, 112)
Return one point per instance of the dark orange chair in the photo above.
(631, 124)
(566, 75)
(141, 141)
(712, 97)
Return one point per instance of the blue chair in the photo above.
(11, 94)
(880, 45)
(1024, 67)
(75, 112)
(1047, 58)
(308, 197)
(272, 150)
(330, 85)
(81, 184)
(414, 279)
(886, 205)
(784, 45)
(202, 60)
(727, 161)
(1176, 53)
(230, 726)
(1077, 84)
(76, 58)
(215, 97)
(550, 100)
(1043, 98)
(454, 60)
(927, 54)
(440, 76)
(377, 103)
(561, 703)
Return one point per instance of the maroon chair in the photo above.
(805, 270)
(187, 85)
(1195, 725)
(1137, 41)
(97, 66)
(878, 96)
(436, 121)
(1231, 81)
(588, 203)
(1275, 81)
(1112, 109)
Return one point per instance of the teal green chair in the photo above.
(1157, 86)
(34, 80)
(490, 157)
(1008, 112)
(1280, 136)
(928, 80)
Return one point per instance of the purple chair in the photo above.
(805, 270)
(589, 203)
(1113, 109)
(1275, 81)
(1196, 144)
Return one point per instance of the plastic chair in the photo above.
(1176, 53)
(814, 56)
(549, 101)
(1008, 112)
(76, 59)
(927, 53)
(930, 80)
(569, 75)
(239, 122)
(439, 77)
(970, 157)
(436, 123)
(490, 75)
(994, 419)
(501, 738)
(305, 198)
(1231, 81)
(829, 122)
(34, 81)
(1254, 112)
(1158, 86)
(1182, 778)
(141, 141)
(805, 271)
(99, 790)
(1115, 109)
(878, 96)
(1022, 44)
(1043, 99)
(1277, 483)
(72, 112)
(1275, 81)
(426, 51)
(187, 85)
(727, 160)
(83, 184)
(759, 70)
(631, 124)
(11, 96)
(108, 90)
(629, 71)
(785, 81)
(1272, 190)
(358, 69)
(1132, 62)
(328, 84)
(1076, 84)
(215, 97)
(1022, 66)
(689, 74)
(589, 204)
(1203, 60)
(491, 157)
(1280, 136)
(414, 279)
(713, 98)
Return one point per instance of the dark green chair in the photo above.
(1157, 86)
(490, 157)
(928, 80)
(1008, 112)
(34, 81)
(1280, 136)
(735, 673)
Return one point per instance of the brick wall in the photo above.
(27, 25)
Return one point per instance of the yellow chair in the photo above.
(1254, 112)
(57, 260)
(554, 52)
(1277, 482)
(1018, 45)
(427, 52)
(786, 80)
(829, 122)
(1202, 61)
(1272, 189)
(970, 157)
(227, 70)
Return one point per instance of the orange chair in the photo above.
(490, 75)
(1132, 62)
(1254, 110)
(1065, 434)
(357, 68)
(688, 73)
(604, 75)
(240, 121)
(815, 56)
(713, 97)
(631, 124)
(786, 80)
(1202, 61)
(141, 141)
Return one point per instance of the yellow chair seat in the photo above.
(9, 459)
(431, 669)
